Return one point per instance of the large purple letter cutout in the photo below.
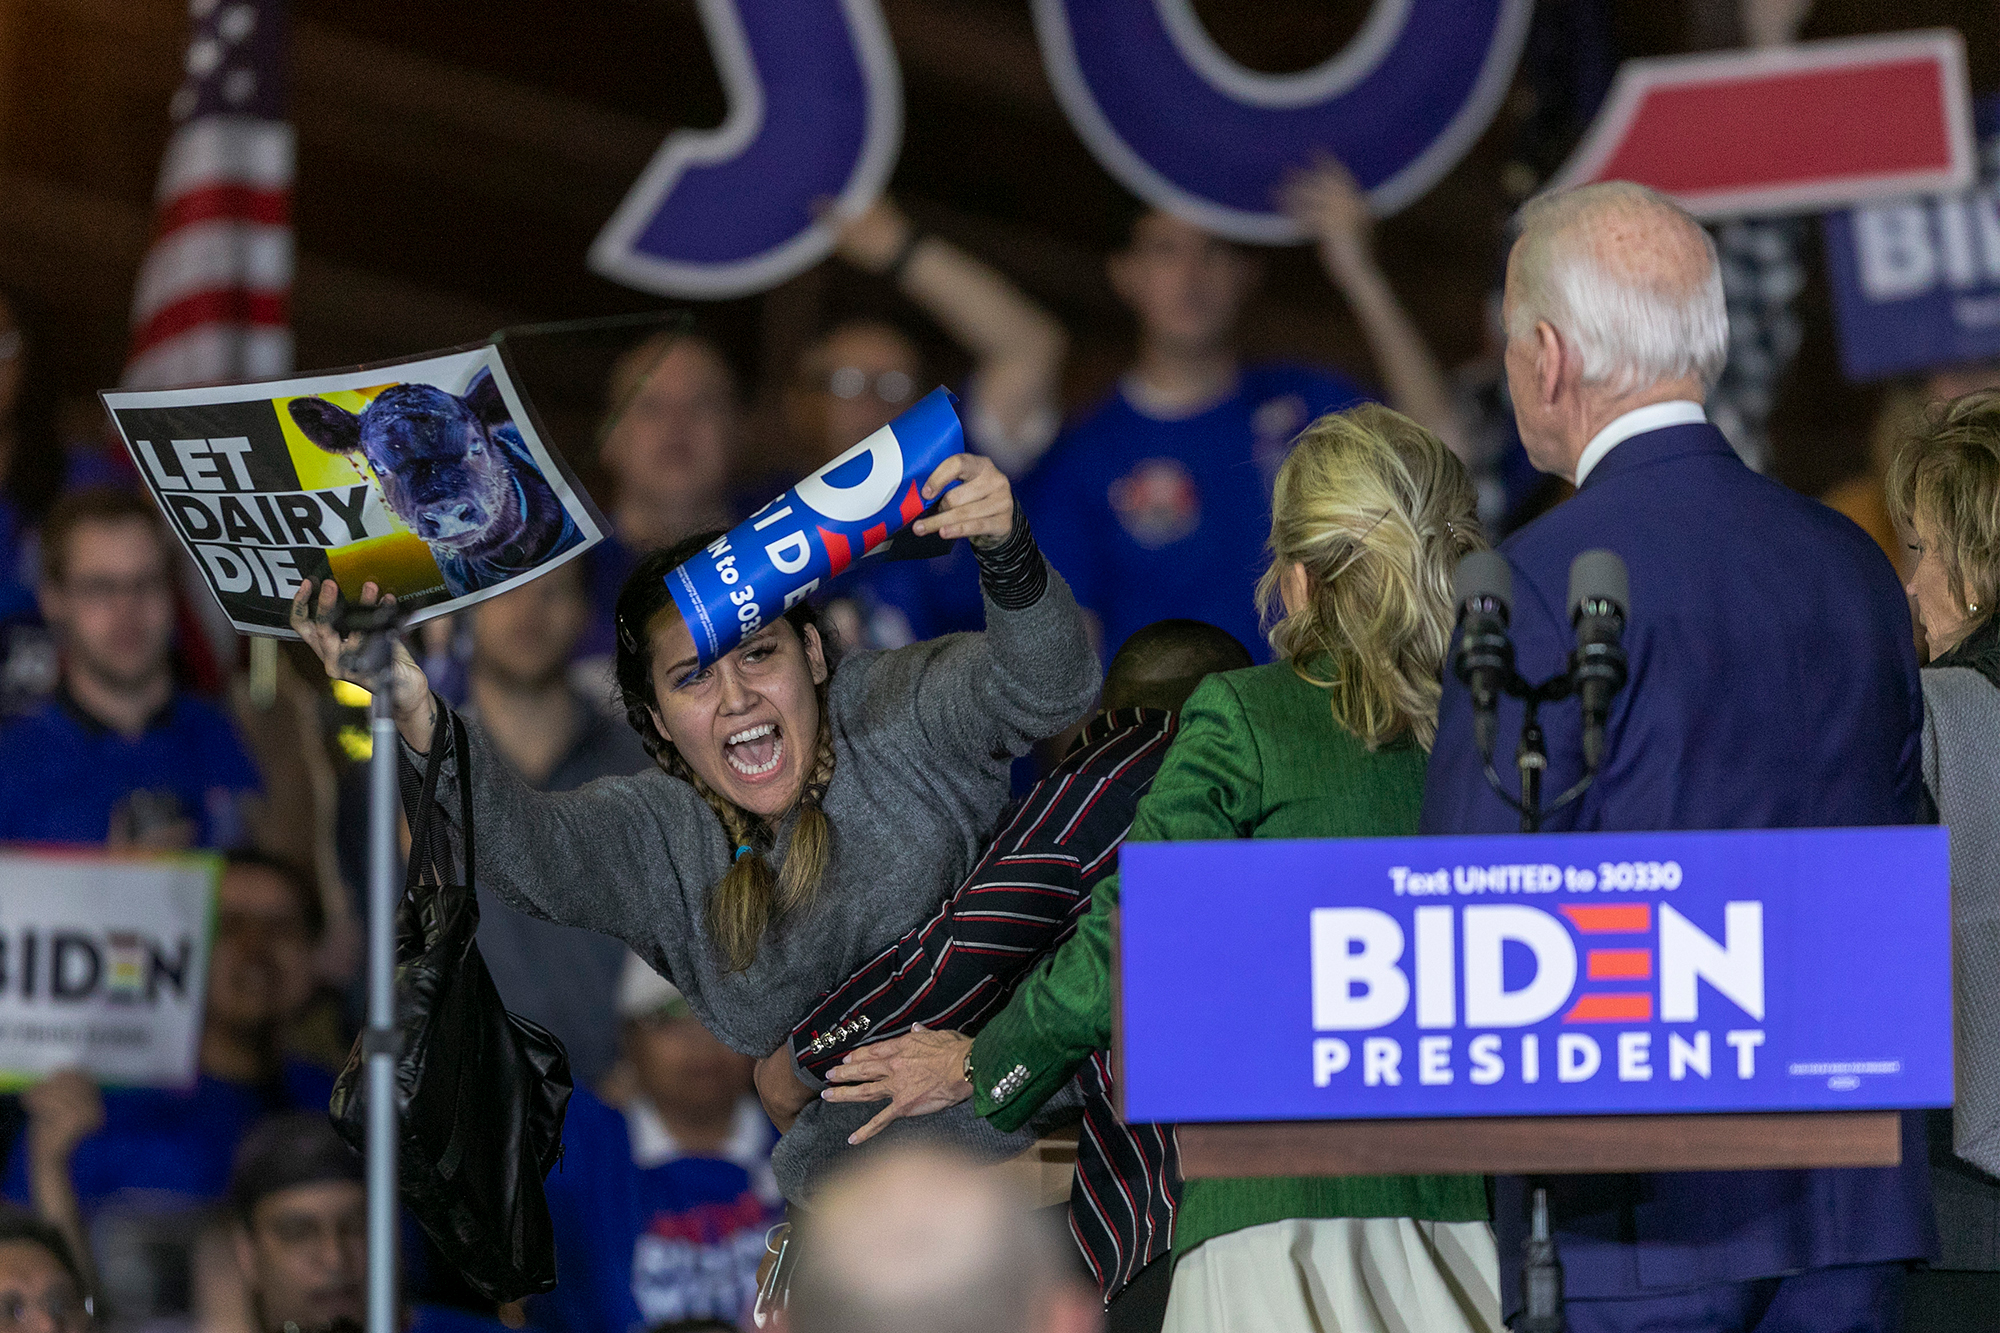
(729, 211)
(1197, 134)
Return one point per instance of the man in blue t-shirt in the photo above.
(1155, 505)
(661, 1206)
(119, 755)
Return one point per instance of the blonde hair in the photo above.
(1948, 471)
(1378, 513)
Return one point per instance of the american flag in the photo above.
(212, 299)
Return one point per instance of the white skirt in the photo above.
(1340, 1275)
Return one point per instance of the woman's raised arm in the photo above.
(598, 857)
(1033, 672)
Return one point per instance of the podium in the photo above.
(1555, 1145)
(1536, 1005)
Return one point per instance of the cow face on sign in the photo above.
(441, 468)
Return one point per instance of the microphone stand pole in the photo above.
(381, 1041)
(1599, 596)
(1532, 758)
(1541, 1272)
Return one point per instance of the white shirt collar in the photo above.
(1653, 416)
(653, 1144)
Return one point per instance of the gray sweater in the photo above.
(924, 737)
(1962, 773)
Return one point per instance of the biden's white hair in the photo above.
(1636, 314)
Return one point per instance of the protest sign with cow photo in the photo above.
(426, 476)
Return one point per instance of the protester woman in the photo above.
(1944, 495)
(1371, 515)
(804, 814)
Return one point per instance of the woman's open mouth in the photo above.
(755, 752)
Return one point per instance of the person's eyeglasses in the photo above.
(890, 387)
(66, 1310)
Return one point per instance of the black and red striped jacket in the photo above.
(1023, 899)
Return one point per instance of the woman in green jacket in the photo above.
(1371, 515)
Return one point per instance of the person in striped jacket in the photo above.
(1021, 901)
(1369, 516)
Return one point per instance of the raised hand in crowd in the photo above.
(1330, 208)
(312, 619)
(63, 1110)
(1768, 23)
(1017, 347)
(874, 237)
(152, 821)
(1327, 203)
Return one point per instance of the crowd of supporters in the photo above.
(229, 1205)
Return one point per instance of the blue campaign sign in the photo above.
(1193, 132)
(1916, 282)
(815, 116)
(1567, 974)
(766, 564)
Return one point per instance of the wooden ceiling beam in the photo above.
(977, 54)
(82, 251)
(332, 68)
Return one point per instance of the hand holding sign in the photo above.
(63, 1110)
(980, 505)
(312, 620)
(874, 237)
(1327, 204)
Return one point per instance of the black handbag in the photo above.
(480, 1092)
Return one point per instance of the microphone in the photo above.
(1483, 587)
(1599, 598)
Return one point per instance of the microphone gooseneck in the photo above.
(1483, 588)
(1599, 608)
(1599, 598)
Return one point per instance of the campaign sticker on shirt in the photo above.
(1273, 427)
(1157, 502)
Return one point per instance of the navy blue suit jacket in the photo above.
(1773, 685)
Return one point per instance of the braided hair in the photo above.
(747, 900)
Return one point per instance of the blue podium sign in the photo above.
(1566, 974)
